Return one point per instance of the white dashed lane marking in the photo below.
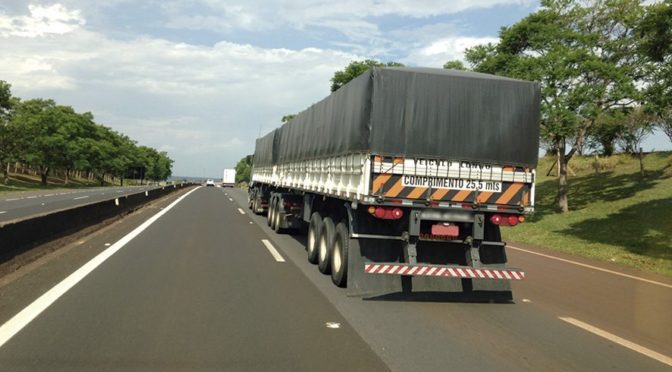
(618, 340)
(273, 251)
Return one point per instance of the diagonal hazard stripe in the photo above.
(417, 192)
(483, 197)
(461, 195)
(439, 194)
(395, 190)
(380, 181)
(509, 193)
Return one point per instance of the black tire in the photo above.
(269, 215)
(339, 256)
(276, 217)
(313, 238)
(325, 245)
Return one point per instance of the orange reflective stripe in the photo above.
(380, 181)
(417, 192)
(398, 161)
(395, 190)
(439, 194)
(461, 195)
(509, 193)
(483, 197)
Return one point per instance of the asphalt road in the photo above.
(25, 204)
(198, 289)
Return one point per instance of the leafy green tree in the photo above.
(655, 45)
(583, 54)
(356, 68)
(287, 118)
(11, 137)
(454, 65)
(244, 169)
(637, 124)
(41, 120)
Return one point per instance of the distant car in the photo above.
(210, 183)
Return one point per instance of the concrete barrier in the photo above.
(17, 237)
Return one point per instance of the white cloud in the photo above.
(442, 50)
(43, 20)
(205, 103)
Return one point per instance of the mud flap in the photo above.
(361, 284)
(370, 250)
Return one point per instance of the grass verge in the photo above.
(615, 215)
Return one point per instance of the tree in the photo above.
(454, 65)
(655, 45)
(244, 169)
(583, 54)
(637, 124)
(356, 68)
(287, 118)
(40, 120)
(11, 137)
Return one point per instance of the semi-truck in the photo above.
(402, 178)
(229, 178)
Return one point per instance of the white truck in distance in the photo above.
(229, 178)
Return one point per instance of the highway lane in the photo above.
(157, 304)
(197, 290)
(526, 335)
(25, 204)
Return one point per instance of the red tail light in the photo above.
(506, 219)
(496, 219)
(386, 213)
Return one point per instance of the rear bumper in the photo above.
(443, 271)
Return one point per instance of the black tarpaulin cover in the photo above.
(416, 112)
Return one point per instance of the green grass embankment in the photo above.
(22, 182)
(615, 215)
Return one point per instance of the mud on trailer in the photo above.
(402, 178)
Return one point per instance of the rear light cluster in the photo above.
(386, 213)
(506, 219)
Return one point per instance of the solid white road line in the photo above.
(618, 340)
(273, 251)
(13, 199)
(591, 267)
(80, 197)
(31, 197)
(1, 212)
(241, 211)
(25, 316)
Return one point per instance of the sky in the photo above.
(201, 79)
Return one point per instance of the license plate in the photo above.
(442, 229)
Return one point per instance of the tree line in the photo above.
(47, 137)
(604, 67)
(605, 70)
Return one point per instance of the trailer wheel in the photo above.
(326, 243)
(271, 210)
(276, 217)
(339, 256)
(255, 208)
(314, 228)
